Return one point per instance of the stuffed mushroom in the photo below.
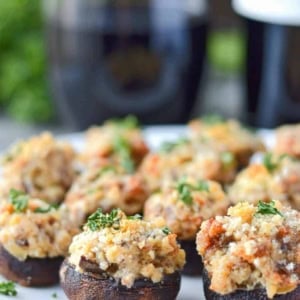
(184, 207)
(278, 177)
(252, 253)
(226, 135)
(41, 167)
(119, 140)
(120, 257)
(105, 187)
(34, 238)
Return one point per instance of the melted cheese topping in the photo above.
(35, 235)
(185, 219)
(138, 249)
(41, 167)
(245, 250)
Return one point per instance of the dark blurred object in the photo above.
(112, 58)
(23, 83)
(273, 62)
(254, 61)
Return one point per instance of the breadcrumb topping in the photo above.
(257, 182)
(134, 249)
(40, 166)
(37, 231)
(107, 188)
(182, 217)
(250, 248)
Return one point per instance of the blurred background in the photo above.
(67, 64)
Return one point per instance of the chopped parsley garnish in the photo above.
(19, 200)
(185, 189)
(212, 119)
(167, 147)
(227, 159)
(54, 295)
(129, 122)
(99, 220)
(122, 148)
(264, 208)
(46, 209)
(202, 186)
(271, 162)
(166, 230)
(8, 288)
(106, 169)
(135, 217)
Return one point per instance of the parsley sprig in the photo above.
(19, 200)
(264, 208)
(122, 148)
(167, 147)
(271, 162)
(185, 190)
(47, 209)
(212, 119)
(98, 220)
(106, 169)
(166, 230)
(227, 159)
(129, 122)
(8, 288)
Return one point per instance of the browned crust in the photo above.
(194, 265)
(257, 294)
(32, 271)
(243, 158)
(91, 286)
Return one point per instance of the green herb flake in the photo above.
(99, 220)
(135, 217)
(185, 190)
(8, 288)
(271, 162)
(202, 186)
(18, 199)
(227, 159)
(46, 209)
(54, 295)
(166, 230)
(167, 147)
(129, 122)
(106, 169)
(264, 208)
(212, 119)
(122, 149)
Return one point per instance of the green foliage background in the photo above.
(23, 84)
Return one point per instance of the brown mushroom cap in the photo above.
(87, 286)
(257, 294)
(194, 264)
(32, 271)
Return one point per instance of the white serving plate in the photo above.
(191, 288)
